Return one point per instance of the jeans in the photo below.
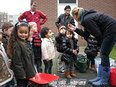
(60, 64)
(69, 67)
(106, 47)
(38, 64)
(91, 60)
(48, 66)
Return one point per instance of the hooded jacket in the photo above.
(59, 41)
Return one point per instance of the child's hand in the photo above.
(98, 53)
(24, 77)
(47, 59)
(75, 52)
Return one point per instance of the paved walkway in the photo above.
(81, 79)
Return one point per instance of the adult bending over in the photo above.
(103, 28)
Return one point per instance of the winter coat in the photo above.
(98, 24)
(48, 49)
(62, 20)
(4, 40)
(6, 73)
(23, 61)
(67, 47)
(59, 41)
(92, 47)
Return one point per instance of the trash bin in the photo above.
(81, 63)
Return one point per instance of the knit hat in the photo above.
(61, 27)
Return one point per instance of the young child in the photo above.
(59, 38)
(35, 39)
(70, 50)
(21, 54)
(91, 51)
(48, 49)
(6, 29)
(6, 74)
(33, 30)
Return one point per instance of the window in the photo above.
(67, 1)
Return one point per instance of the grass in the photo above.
(113, 53)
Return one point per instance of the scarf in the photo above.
(81, 12)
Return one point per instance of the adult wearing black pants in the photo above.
(103, 28)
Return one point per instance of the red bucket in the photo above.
(113, 76)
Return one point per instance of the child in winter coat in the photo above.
(59, 47)
(48, 49)
(21, 54)
(91, 51)
(70, 51)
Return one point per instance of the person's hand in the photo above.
(75, 52)
(92, 36)
(47, 59)
(98, 53)
(24, 77)
(72, 27)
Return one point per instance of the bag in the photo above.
(81, 63)
(66, 58)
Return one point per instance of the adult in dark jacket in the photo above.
(103, 28)
(66, 18)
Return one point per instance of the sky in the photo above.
(14, 7)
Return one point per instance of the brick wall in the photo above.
(48, 7)
(105, 6)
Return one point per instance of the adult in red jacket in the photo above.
(34, 15)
